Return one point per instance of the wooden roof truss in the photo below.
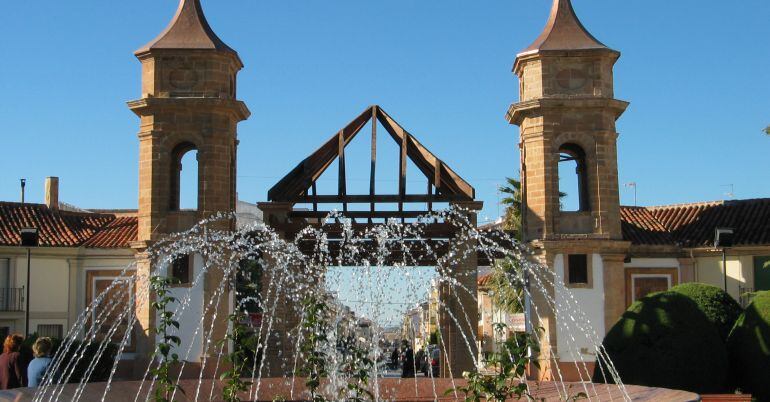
(299, 186)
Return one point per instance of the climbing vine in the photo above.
(315, 327)
(159, 286)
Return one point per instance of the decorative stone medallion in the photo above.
(571, 79)
(182, 77)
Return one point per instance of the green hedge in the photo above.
(749, 347)
(665, 340)
(718, 306)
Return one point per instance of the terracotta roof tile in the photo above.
(118, 233)
(693, 225)
(65, 228)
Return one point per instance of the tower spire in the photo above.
(564, 31)
(187, 30)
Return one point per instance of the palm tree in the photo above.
(512, 202)
(767, 130)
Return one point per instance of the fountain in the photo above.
(317, 359)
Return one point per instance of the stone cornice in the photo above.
(518, 111)
(588, 246)
(146, 106)
(524, 57)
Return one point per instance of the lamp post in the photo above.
(723, 238)
(29, 239)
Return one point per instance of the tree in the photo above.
(512, 201)
(767, 130)
(512, 219)
(506, 286)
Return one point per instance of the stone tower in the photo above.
(188, 104)
(566, 113)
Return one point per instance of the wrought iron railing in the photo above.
(11, 299)
(745, 295)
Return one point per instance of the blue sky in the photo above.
(696, 74)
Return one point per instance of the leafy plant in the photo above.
(510, 365)
(243, 340)
(507, 286)
(315, 327)
(159, 286)
(512, 201)
(357, 367)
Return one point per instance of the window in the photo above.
(50, 330)
(184, 177)
(181, 270)
(641, 282)
(573, 178)
(577, 269)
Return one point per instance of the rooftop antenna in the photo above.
(23, 184)
(730, 194)
(632, 184)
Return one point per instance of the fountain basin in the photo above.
(391, 389)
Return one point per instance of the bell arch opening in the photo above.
(185, 174)
(573, 178)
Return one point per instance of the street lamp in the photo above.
(29, 239)
(723, 238)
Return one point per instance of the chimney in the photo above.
(52, 192)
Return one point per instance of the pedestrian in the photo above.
(394, 358)
(407, 370)
(13, 366)
(421, 361)
(37, 367)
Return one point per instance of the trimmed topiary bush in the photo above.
(718, 306)
(749, 347)
(665, 340)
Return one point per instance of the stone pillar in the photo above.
(614, 288)
(280, 342)
(215, 320)
(543, 317)
(458, 305)
(145, 314)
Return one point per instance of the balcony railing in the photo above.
(11, 299)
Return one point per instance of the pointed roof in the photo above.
(564, 31)
(187, 30)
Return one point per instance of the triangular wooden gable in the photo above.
(299, 185)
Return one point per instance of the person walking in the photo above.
(13, 367)
(407, 370)
(37, 367)
(394, 358)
